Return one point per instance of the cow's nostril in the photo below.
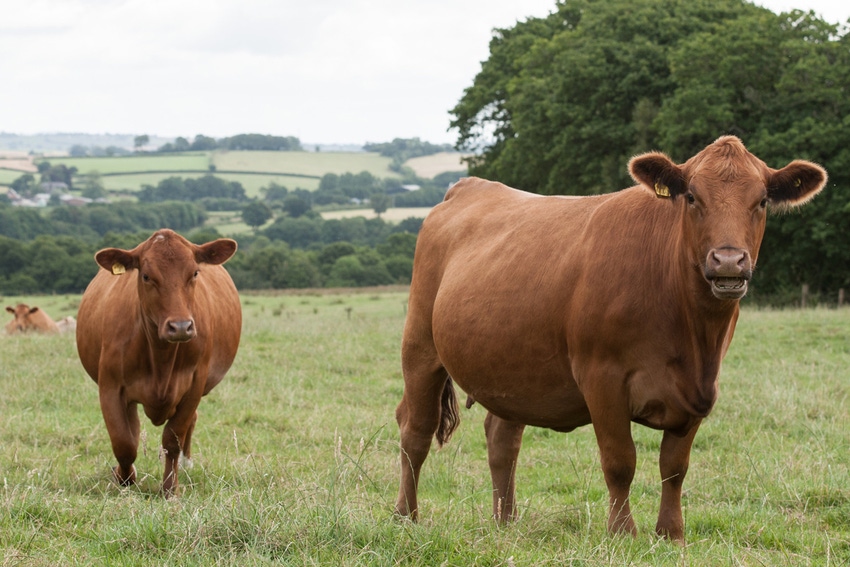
(178, 330)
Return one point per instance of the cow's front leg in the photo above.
(122, 425)
(673, 461)
(617, 453)
(174, 436)
(504, 439)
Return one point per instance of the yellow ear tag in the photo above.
(798, 182)
(662, 191)
(118, 269)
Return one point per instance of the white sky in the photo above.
(326, 71)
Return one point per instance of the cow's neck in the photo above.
(709, 322)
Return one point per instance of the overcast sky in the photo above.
(326, 71)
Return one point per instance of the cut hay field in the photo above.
(296, 458)
(430, 166)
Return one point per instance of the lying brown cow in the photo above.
(558, 312)
(30, 320)
(163, 334)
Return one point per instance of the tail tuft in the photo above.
(449, 413)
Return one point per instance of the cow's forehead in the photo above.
(168, 250)
(726, 161)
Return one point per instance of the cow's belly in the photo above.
(562, 409)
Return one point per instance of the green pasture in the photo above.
(194, 161)
(7, 176)
(296, 458)
(253, 169)
(251, 182)
(304, 163)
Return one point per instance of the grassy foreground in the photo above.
(296, 458)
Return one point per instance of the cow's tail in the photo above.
(449, 413)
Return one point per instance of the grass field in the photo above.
(251, 182)
(253, 170)
(296, 458)
(194, 161)
(7, 176)
(305, 163)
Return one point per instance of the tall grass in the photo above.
(296, 458)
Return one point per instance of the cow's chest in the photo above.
(671, 398)
(160, 392)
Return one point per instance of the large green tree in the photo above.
(563, 102)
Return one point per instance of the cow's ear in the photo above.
(215, 252)
(10, 310)
(795, 184)
(33, 310)
(657, 172)
(116, 261)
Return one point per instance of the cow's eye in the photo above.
(691, 199)
(146, 277)
(196, 273)
(763, 203)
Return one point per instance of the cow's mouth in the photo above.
(728, 288)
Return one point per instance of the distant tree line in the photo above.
(239, 142)
(211, 192)
(564, 101)
(52, 251)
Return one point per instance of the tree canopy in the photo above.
(564, 101)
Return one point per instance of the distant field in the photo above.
(305, 163)
(8, 175)
(198, 161)
(251, 183)
(290, 169)
(392, 215)
(430, 166)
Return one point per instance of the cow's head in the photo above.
(168, 268)
(22, 322)
(724, 192)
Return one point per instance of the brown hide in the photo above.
(30, 320)
(159, 326)
(560, 312)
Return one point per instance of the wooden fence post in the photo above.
(841, 297)
(805, 297)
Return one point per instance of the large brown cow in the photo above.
(559, 312)
(30, 320)
(163, 334)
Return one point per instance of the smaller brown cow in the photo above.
(159, 326)
(30, 320)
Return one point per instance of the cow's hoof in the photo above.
(123, 480)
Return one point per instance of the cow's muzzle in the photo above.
(728, 270)
(179, 331)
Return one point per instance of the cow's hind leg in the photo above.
(122, 424)
(504, 439)
(674, 459)
(428, 407)
(186, 445)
